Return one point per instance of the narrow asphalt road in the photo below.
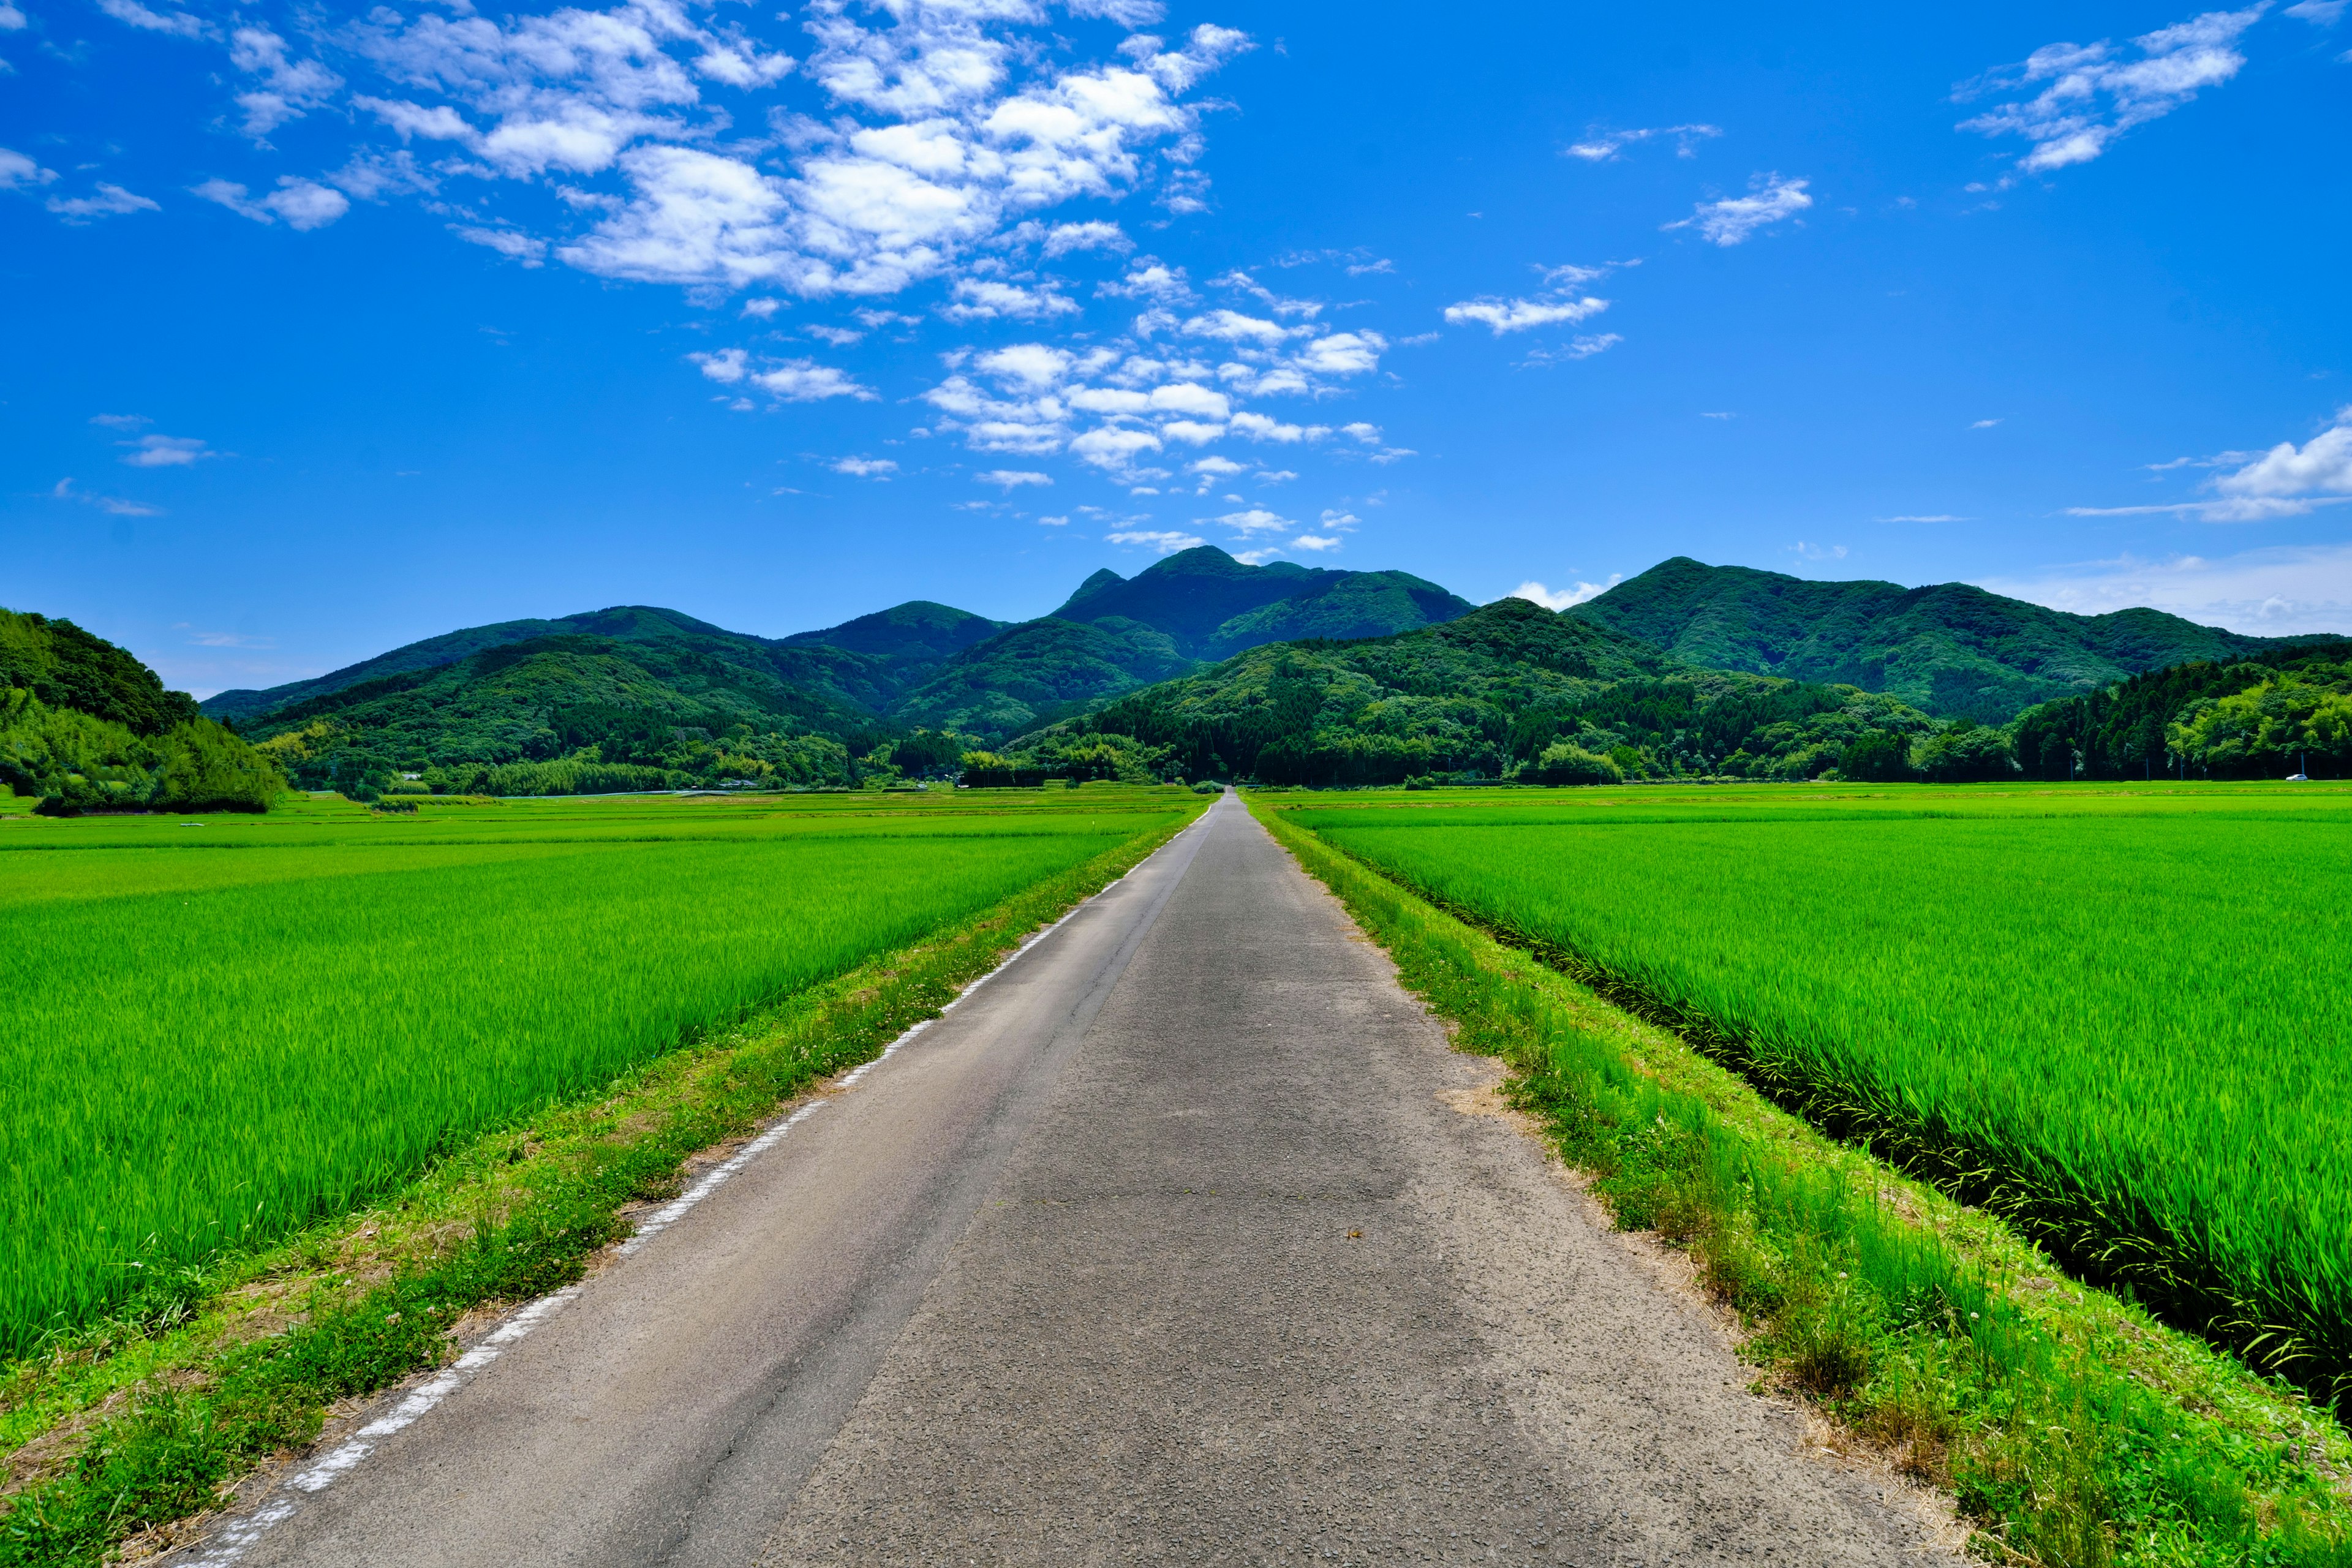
(1169, 1244)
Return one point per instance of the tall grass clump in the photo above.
(206, 1047)
(2124, 1033)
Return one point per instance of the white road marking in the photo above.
(237, 1537)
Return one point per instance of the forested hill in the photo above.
(1211, 605)
(84, 726)
(1511, 691)
(1948, 650)
(2280, 712)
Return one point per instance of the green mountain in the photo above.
(85, 727)
(1511, 691)
(1212, 605)
(1948, 649)
(665, 698)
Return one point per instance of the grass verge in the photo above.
(131, 1426)
(2071, 1428)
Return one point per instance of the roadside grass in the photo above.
(2071, 1428)
(214, 1040)
(124, 1425)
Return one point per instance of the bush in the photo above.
(1564, 762)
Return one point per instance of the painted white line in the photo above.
(233, 1539)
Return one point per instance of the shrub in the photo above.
(1565, 763)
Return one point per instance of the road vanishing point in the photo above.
(1180, 1240)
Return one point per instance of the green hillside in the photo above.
(917, 632)
(84, 726)
(1511, 691)
(1037, 672)
(2264, 717)
(1948, 650)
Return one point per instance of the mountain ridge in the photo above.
(1951, 649)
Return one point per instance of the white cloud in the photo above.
(288, 88)
(1066, 238)
(1053, 522)
(11, 19)
(865, 468)
(761, 310)
(165, 451)
(726, 366)
(1258, 427)
(986, 299)
(1233, 327)
(2319, 13)
(1336, 520)
(109, 202)
(2322, 464)
(1808, 551)
(179, 24)
(1012, 479)
(1150, 279)
(1257, 557)
(1342, 354)
(2096, 92)
(1256, 520)
(1584, 347)
(805, 381)
(17, 171)
(1730, 221)
(2287, 480)
(1030, 365)
(1561, 598)
(1367, 434)
(303, 203)
(1984, 424)
(1215, 467)
(1601, 147)
(1166, 541)
(1930, 517)
(1501, 316)
(1190, 398)
(1113, 449)
(1192, 432)
(839, 337)
(512, 244)
(113, 506)
(2279, 592)
(1316, 542)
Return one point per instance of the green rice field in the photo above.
(2123, 1016)
(221, 1028)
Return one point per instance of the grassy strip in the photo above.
(139, 1424)
(2071, 1428)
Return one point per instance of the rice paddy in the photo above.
(220, 1030)
(2119, 1016)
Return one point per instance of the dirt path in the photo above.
(1173, 1243)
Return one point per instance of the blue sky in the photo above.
(337, 327)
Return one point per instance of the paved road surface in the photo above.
(1169, 1244)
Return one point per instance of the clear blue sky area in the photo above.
(334, 327)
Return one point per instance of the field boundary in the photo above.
(125, 1436)
(2108, 1239)
(2070, 1427)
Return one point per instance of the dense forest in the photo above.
(85, 727)
(1509, 691)
(2263, 717)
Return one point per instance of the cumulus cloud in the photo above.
(302, 203)
(2092, 93)
(788, 381)
(1066, 238)
(1561, 598)
(1260, 428)
(289, 88)
(1601, 147)
(12, 20)
(165, 452)
(1770, 200)
(1583, 347)
(1500, 315)
(1166, 541)
(987, 300)
(865, 468)
(1256, 520)
(2287, 480)
(1317, 541)
(512, 244)
(109, 200)
(1011, 479)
